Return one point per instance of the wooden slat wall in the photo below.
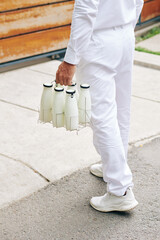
(34, 43)
(7, 5)
(35, 19)
(150, 10)
(31, 27)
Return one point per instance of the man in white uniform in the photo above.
(100, 50)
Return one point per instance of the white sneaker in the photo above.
(96, 169)
(109, 202)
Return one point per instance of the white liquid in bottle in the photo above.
(84, 104)
(58, 107)
(71, 110)
(45, 114)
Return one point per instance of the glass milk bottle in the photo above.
(84, 104)
(73, 87)
(56, 85)
(58, 107)
(45, 114)
(71, 110)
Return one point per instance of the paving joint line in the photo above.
(49, 74)
(146, 65)
(18, 105)
(131, 144)
(144, 140)
(27, 165)
(146, 99)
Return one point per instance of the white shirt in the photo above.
(89, 15)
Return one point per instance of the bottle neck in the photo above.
(47, 89)
(70, 95)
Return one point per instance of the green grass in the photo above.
(140, 49)
(154, 31)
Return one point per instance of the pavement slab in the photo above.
(17, 180)
(23, 87)
(50, 151)
(62, 211)
(145, 119)
(49, 68)
(152, 44)
(146, 83)
(147, 60)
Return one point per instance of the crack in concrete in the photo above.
(27, 165)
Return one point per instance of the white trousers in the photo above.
(107, 67)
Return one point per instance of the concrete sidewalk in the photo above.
(61, 211)
(152, 43)
(145, 59)
(32, 155)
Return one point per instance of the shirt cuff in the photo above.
(71, 57)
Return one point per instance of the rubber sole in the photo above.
(93, 173)
(115, 210)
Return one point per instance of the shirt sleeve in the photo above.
(83, 19)
(139, 6)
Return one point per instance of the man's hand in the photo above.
(65, 73)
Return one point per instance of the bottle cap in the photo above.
(85, 85)
(59, 89)
(48, 85)
(70, 91)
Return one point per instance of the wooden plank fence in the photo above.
(32, 27)
(151, 9)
